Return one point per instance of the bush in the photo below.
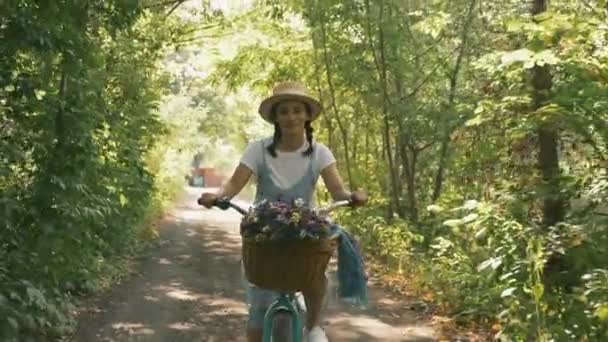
(486, 265)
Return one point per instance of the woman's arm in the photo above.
(235, 184)
(335, 186)
(333, 183)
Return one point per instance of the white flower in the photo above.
(434, 208)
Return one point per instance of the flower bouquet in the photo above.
(284, 221)
(286, 246)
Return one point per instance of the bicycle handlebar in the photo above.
(225, 203)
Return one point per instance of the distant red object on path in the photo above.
(207, 177)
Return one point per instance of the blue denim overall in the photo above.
(259, 299)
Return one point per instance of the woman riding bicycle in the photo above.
(287, 166)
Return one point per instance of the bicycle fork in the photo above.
(283, 303)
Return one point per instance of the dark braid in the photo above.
(309, 137)
(272, 148)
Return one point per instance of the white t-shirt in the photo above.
(288, 167)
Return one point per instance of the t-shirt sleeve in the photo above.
(251, 156)
(324, 157)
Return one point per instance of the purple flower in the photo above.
(281, 221)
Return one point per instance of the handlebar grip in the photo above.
(222, 203)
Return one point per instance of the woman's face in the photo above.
(291, 116)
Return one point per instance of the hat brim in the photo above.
(265, 109)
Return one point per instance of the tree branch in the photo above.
(590, 7)
(4, 124)
(162, 4)
(421, 84)
(177, 4)
(443, 154)
(424, 147)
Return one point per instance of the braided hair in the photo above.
(272, 148)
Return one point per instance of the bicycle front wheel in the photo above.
(283, 328)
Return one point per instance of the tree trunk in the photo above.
(445, 143)
(60, 117)
(389, 177)
(385, 112)
(556, 272)
(409, 169)
(332, 96)
(379, 61)
(367, 134)
(326, 119)
(355, 147)
(411, 185)
(548, 157)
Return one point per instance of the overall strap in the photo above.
(263, 152)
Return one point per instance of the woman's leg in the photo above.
(281, 327)
(254, 335)
(258, 300)
(314, 299)
(255, 323)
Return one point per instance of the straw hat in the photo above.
(289, 91)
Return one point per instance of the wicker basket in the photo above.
(288, 267)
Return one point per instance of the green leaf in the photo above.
(517, 56)
(538, 290)
(39, 94)
(514, 25)
(503, 314)
(34, 295)
(508, 292)
(434, 208)
(494, 263)
(543, 16)
(546, 57)
(470, 218)
(433, 25)
(123, 200)
(481, 233)
(476, 121)
(471, 205)
(453, 223)
(13, 323)
(602, 312)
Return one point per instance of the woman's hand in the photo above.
(208, 200)
(358, 198)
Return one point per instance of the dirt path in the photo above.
(189, 288)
